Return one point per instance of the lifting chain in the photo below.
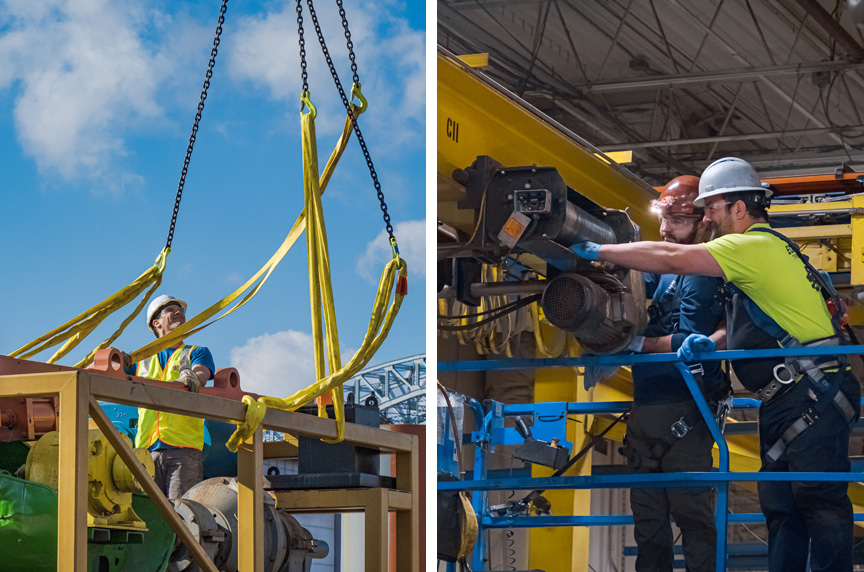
(345, 101)
(302, 51)
(349, 42)
(195, 124)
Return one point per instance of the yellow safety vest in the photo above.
(170, 428)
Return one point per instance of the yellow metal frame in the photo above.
(79, 392)
(475, 119)
(833, 247)
(375, 504)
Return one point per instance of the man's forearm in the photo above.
(661, 345)
(662, 258)
(203, 372)
(646, 256)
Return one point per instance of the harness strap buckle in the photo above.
(810, 417)
(680, 428)
(789, 370)
(696, 369)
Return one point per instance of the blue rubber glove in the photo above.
(587, 250)
(695, 343)
(636, 345)
(595, 374)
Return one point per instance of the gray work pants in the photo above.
(177, 470)
(692, 509)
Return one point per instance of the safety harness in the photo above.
(794, 368)
(668, 305)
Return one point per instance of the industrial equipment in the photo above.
(209, 510)
(529, 217)
(109, 498)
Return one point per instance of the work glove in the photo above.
(190, 379)
(594, 374)
(127, 361)
(587, 250)
(695, 343)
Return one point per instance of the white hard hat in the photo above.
(156, 306)
(729, 175)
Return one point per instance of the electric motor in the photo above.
(603, 320)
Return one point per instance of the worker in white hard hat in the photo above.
(174, 441)
(776, 298)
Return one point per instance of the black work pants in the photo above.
(807, 518)
(692, 508)
(177, 470)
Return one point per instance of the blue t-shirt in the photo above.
(200, 355)
(683, 305)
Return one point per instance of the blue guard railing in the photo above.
(490, 431)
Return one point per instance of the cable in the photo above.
(475, 314)
(523, 302)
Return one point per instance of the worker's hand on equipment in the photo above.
(595, 374)
(636, 345)
(190, 379)
(587, 250)
(695, 343)
(127, 361)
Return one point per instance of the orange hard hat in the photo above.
(677, 198)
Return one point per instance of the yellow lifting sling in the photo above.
(324, 329)
(393, 279)
(78, 328)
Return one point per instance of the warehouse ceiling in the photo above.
(779, 83)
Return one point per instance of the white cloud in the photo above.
(83, 73)
(275, 364)
(389, 55)
(86, 75)
(412, 247)
(278, 364)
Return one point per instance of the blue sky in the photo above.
(97, 100)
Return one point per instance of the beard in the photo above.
(689, 239)
(713, 231)
(720, 229)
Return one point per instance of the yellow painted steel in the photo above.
(562, 549)
(408, 512)
(124, 451)
(109, 500)
(476, 119)
(475, 60)
(620, 157)
(72, 487)
(250, 504)
(78, 393)
(856, 254)
(832, 247)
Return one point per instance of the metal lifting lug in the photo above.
(680, 428)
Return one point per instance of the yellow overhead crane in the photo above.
(478, 117)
